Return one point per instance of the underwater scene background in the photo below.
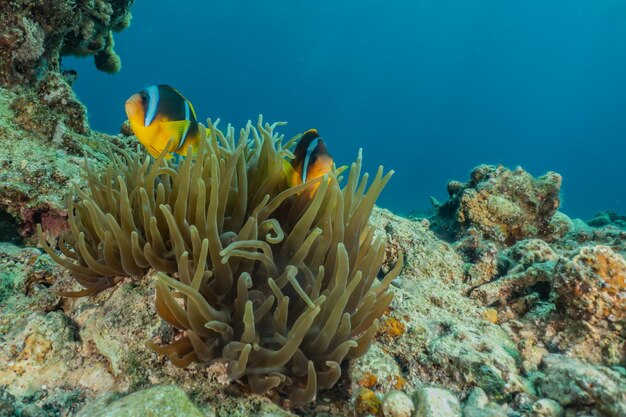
(162, 266)
(429, 88)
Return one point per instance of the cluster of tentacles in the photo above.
(280, 282)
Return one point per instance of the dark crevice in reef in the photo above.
(9, 229)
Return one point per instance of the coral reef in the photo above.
(563, 278)
(505, 306)
(436, 337)
(46, 121)
(500, 204)
(39, 113)
(34, 35)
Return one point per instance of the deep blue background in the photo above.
(428, 88)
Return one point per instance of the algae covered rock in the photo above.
(436, 402)
(605, 218)
(521, 268)
(116, 327)
(425, 255)
(42, 402)
(592, 285)
(573, 383)
(159, 401)
(46, 352)
(433, 330)
(472, 411)
(397, 404)
(45, 138)
(503, 205)
(546, 407)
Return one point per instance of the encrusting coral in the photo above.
(281, 284)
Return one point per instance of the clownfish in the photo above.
(160, 114)
(311, 160)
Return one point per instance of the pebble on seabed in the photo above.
(547, 408)
(397, 404)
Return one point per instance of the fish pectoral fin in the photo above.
(157, 153)
(175, 130)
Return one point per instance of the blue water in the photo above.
(428, 88)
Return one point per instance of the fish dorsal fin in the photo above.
(193, 111)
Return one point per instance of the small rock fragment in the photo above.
(574, 383)
(491, 315)
(367, 403)
(472, 411)
(546, 407)
(397, 404)
(477, 398)
(436, 402)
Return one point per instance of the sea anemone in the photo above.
(279, 282)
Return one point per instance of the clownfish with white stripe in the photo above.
(160, 115)
(311, 160)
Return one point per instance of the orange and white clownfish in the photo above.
(311, 160)
(160, 114)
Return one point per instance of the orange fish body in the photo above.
(311, 160)
(163, 120)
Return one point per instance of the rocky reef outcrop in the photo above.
(36, 34)
(557, 279)
(500, 204)
(44, 130)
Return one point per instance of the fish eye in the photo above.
(144, 97)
